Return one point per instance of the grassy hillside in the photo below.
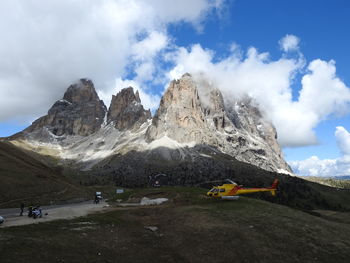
(31, 177)
(26, 177)
(134, 168)
(190, 228)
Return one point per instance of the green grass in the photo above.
(191, 228)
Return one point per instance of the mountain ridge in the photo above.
(80, 130)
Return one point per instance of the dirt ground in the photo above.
(188, 228)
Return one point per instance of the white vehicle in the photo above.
(2, 220)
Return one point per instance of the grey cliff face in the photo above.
(179, 115)
(194, 111)
(80, 112)
(126, 110)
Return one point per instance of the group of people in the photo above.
(33, 211)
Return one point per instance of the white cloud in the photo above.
(322, 93)
(327, 167)
(343, 140)
(289, 43)
(144, 54)
(149, 46)
(313, 166)
(46, 45)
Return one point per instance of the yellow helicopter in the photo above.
(231, 190)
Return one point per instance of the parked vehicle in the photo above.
(37, 212)
(98, 197)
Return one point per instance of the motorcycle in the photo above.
(37, 213)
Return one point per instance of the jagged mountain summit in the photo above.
(80, 112)
(193, 121)
(126, 110)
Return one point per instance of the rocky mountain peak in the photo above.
(126, 110)
(188, 111)
(179, 115)
(192, 110)
(80, 112)
(137, 96)
(82, 91)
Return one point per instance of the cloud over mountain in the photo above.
(45, 45)
(322, 94)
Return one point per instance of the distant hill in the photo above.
(344, 177)
(336, 181)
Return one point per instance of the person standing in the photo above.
(30, 211)
(22, 209)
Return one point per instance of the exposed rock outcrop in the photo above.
(80, 112)
(126, 110)
(179, 115)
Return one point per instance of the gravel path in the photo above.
(67, 211)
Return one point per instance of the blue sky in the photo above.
(321, 26)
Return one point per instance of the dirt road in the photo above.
(53, 213)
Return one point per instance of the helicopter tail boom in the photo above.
(274, 187)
